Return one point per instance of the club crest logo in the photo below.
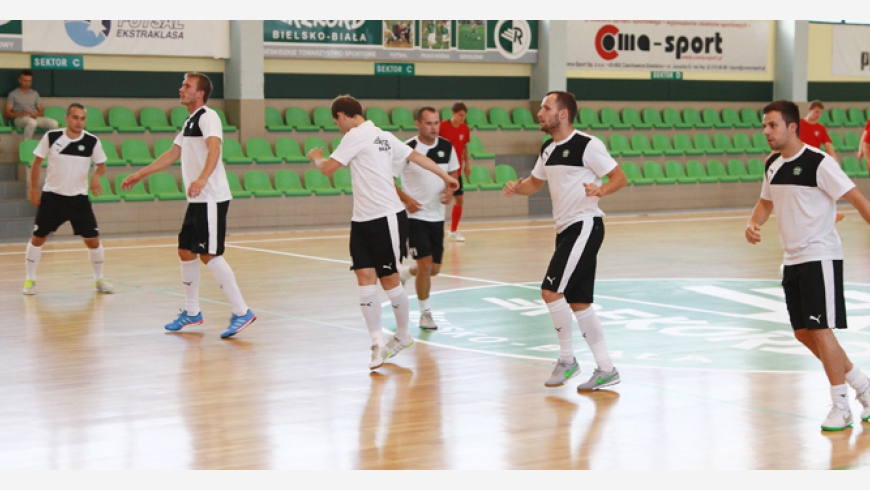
(88, 33)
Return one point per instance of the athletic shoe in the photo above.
(426, 321)
(103, 286)
(29, 287)
(600, 379)
(379, 355)
(839, 218)
(563, 372)
(456, 236)
(183, 320)
(864, 398)
(839, 418)
(404, 274)
(394, 346)
(237, 323)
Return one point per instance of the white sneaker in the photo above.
(839, 418)
(103, 286)
(456, 236)
(394, 346)
(426, 321)
(29, 287)
(864, 398)
(379, 355)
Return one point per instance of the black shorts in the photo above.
(379, 244)
(204, 228)
(459, 192)
(814, 294)
(572, 268)
(56, 209)
(426, 238)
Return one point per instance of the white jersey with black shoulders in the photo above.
(804, 190)
(69, 161)
(424, 186)
(568, 164)
(202, 124)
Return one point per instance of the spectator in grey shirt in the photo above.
(25, 107)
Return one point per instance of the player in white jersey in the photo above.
(65, 193)
(803, 185)
(573, 163)
(425, 196)
(208, 196)
(379, 226)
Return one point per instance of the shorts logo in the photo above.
(551, 279)
(817, 319)
(388, 267)
(202, 245)
(797, 170)
(414, 251)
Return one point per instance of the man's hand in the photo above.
(96, 186)
(196, 187)
(316, 154)
(130, 181)
(511, 187)
(35, 198)
(446, 196)
(753, 232)
(412, 205)
(593, 190)
(451, 183)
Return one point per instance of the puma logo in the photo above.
(388, 267)
(187, 283)
(366, 304)
(203, 244)
(558, 329)
(816, 318)
(551, 279)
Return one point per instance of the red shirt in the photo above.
(867, 130)
(814, 134)
(458, 136)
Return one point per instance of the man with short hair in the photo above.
(379, 226)
(65, 194)
(803, 185)
(24, 106)
(573, 163)
(424, 196)
(208, 199)
(814, 133)
(456, 131)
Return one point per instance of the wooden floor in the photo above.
(94, 382)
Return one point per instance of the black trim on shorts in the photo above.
(581, 283)
(806, 298)
(194, 235)
(426, 238)
(56, 209)
(371, 244)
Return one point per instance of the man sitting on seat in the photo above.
(24, 106)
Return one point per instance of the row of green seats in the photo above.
(715, 171)
(684, 144)
(123, 120)
(668, 118)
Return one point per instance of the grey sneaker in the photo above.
(563, 372)
(394, 346)
(103, 286)
(29, 287)
(426, 321)
(600, 379)
(379, 355)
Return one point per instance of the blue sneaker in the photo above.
(237, 323)
(183, 320)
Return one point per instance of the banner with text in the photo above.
(412, 40)
(851, 56)
(10, 35)
(668, 45)
(199, 38)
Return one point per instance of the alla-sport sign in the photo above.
(401, 40)
(200, 38)
(709, 324)
(851, 56)
(668, 45)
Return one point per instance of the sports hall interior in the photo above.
(94, 382)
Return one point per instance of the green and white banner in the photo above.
(10, 35)
(412, 40)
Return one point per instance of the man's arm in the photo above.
(35, 196)
(40, 111)
(862, 145)
(411, 204)
(466, 165)
(96, 185)
(616, 181)
(327, 167)
(829, 147)
(859, 202)
(523, 187)
(427, 163)
(7, 112)
(163, 162)
(760, 215)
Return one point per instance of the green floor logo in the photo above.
(722, 324)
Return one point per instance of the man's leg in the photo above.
(560, 312)
(455, 216)
(29, 125)
(96, 256)
(191, 314)
(31, 260)
(593, 333)
(46, 123)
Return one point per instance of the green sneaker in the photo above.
(103, 286)
(839, 418)
(600, 379)
(394, 346)
(563, 372)
(29, 287)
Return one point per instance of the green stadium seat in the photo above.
(711, 117)
(583, 126)
(867, 114)
(722, 142)
(154, 120)
(124, 121)
(632, 172)
(674, 170)
(505, 174)
(56, 113)
(759, 141)
(403, 118)
(691, 116)
(602, 139)
(501, 118)
(232, 153)
(856, 116)
(260, 150)
(398, 182)
(319, 184)
(112, 158)
(702, 142)
(476, 151)
(524, 118)
(94, 121)
(322, 117)
(447, 114)
(107, 195)
(826, 121)
(228, 128)
(684, 145)
(136, 152)
(287, 182)
(481, 178)
(716, 169)
(236, 187)
(851, 139)
(654, 118)
(315, 142)
(632, 118)
(736, 168)
(257, 182)
(468, 185)
(755, 167)
(5, 127)
(839, 116)
(696, 170)
(750, 116)
(297, 118)
(274, 122)
(161, 146)
(341, 180)
(288, 149)
(137, 193)
(837, 141)
(853, 168)
(589, 119)
(640, 142)
(380, 119)
(662, 143)
(732, 119)
(177, 116)
(742, 143)
(652, 170)
(335, 142)
(163, 186)
(476, 119)
(611, 119)
(674, 120)
(619, 146)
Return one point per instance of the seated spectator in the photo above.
(24, 106)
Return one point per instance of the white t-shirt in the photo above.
(424, 186)
(567, 165)
(203, 123)
(804, 190)
(69, 161)
(375, 158)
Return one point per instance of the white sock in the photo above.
(371, 312)
(31, 260)
(401, 309)
(424, 305)
(593, 332)
(227, 281)
(561, 314)
(838, 396)
(95, 255)
(412, 269)
(858, 380)
(190, 280)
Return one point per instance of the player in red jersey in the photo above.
(456, 131)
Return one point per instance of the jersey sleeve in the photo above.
(453, 164)
(597, 159)
(765, 188)
(42, 148)
(350, 145)
(210, 124)
(538, 171)
(401, 151)
(178, 139)
(824, 138)
(99, 156)
(831, 178)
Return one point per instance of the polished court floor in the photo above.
(94, 382)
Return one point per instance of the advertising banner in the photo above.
(668, 45)
(199, 38)
(403, 40)
(10, 35)
(851, 56)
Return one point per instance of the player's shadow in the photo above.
(847, 453)
(560, 445)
